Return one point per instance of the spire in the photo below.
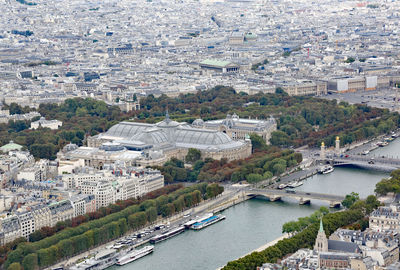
(321, 226)
(167, 116)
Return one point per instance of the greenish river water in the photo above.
(249, 225)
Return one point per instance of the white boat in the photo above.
(166, 235)
(366, 152)
(282, 186)
(102, 260)
(329, 169)
(207, 222)
(325, 169)
(296, 184)
(135, 254)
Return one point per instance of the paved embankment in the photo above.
(227, 199)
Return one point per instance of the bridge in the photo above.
(372, 163)
(302, 196)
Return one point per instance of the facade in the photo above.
(110, 186)
(27, 223)
(330, 260)
(42, 122)
(61, 211)
(37, 172)
(385, 218)
(83, 204)
(42, 217)
(306, 88)
(353, 84)
(10, 229)
(239, 128)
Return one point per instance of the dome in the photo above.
(111, 146)
(198, 122)
(151, 136)
(126, 129)
(167, 124)
(200, 137)
(228, 122)
(70, 147)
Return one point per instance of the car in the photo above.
(308, 193)
(346, 156)
(290, 191)
(371, 162)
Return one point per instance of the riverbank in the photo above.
(227, 199)
(267, 245)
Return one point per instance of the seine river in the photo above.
(253, 223)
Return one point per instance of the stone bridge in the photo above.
(371, 163)
(302, 196)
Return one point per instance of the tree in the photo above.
(350, 199)
(30, 262)
(254, 178)
(280, 138)
(257, 142)
(15, 266)
(193, 155)
(14, 108)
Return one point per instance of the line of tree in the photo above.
(306, 237)
(72, 241)
(76, 221)
(102, 212)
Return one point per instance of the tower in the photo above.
(337, 145)
(321, 242)
(322, 150)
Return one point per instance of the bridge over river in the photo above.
(381, 163)
(302, 196)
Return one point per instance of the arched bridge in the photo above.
(372, 163)
(302, 196)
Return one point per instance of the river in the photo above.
(253, 223)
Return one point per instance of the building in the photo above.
(305, 88)
(385, 218)
(83, 204)
(154, 144)
(42, 122)
(11, 146)
(219, 66)
(42, 217)
(236, 38)
(353, 84)
(38, 172)
(10, 229)
(111, 186)
(61, 211)
(239, 128)
(27, 223)
(336, 260)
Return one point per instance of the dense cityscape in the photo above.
(128, 128)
